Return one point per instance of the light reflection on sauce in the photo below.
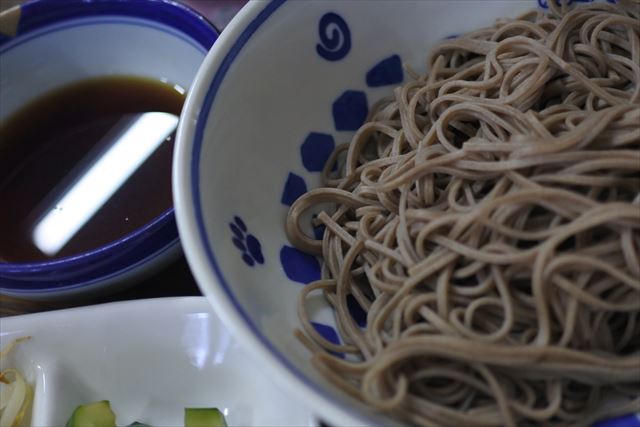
(85, 165)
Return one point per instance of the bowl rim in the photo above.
(190, 219)
(38, 15)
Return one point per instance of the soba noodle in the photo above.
(487, 220)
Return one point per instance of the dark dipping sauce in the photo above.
(49, 146)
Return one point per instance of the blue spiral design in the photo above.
(335, 37)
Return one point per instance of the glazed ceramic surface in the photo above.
(286, 82)
(150, 359)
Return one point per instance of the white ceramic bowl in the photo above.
(285, 82)
(45, 44)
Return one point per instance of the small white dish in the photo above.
(47, 44)
(150, 359)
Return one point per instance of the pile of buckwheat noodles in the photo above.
(487, 220)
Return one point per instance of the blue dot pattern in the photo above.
(350, 110)
(294, 187)
(248, 244)
(329, 334)
(632, 420)
(386, 72)
(299, 266)
(315, 151)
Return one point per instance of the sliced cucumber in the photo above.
(96, 414)
(203, 417)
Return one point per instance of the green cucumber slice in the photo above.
(204, 417)
(95, 414)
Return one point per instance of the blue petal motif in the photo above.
(299, 266)
(247, 244)
(240, 223)
(329, 334)
(239, 244)
(255, 250)
(386, 72)
(236, 230)
(294, 187)
(335, 37)
(247, 259)
(315, 151)
(350, 110)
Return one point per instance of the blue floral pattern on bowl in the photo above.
(248, 245)
(349, 111)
